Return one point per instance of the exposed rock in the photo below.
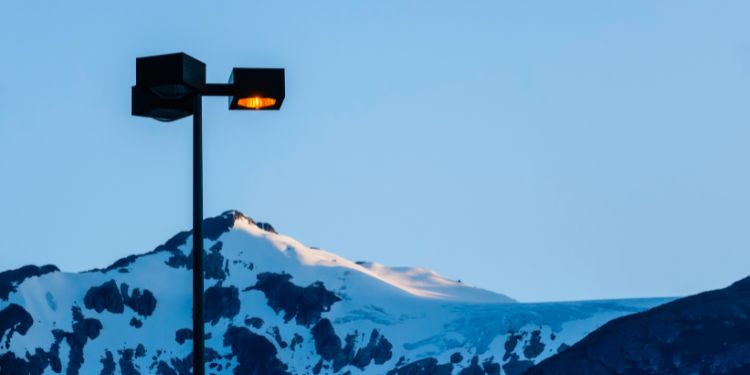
(426, 366)
(182, 335)
(535, 346)
(135, 322)
(304, 304)
(708, 333)
(163, 369)
(217, 246)
(254, 353)
(328, 346)
(277, 336)
(296, 340)
(377, 349)
(104, 297)
(126, 362)
(14, 318)
(491, 367)
(254, 322)
(516, 366)
(456, 357)
(510, 344)
(473, 368)
(143, 303)
(327, 343)
(213, 265)
(214, 227)
(108, 364)
(10, 279)
(221, 302)
(84, 329)
(266, 227)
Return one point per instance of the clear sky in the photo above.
(548, 150)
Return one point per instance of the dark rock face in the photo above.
(266, 227)
(456, 357)
(11, 365)
(327, 343)
(163, 369)
(14, 318)
(9, 279)
(378, 349)
(182, 335)
(113, 299)
(535, 346)
(221, 302)
(328, 346)
(215, 226)
(254, 353)
(491, 367)
(304, 304)
(427, 366)
(254, 322)
(510, 344)
(108, 364)
(277, 336)
(517, 366)
(708, 333)
(143, 303)
(84, 329)
(473, 368)
(126, 362)
(213, 265)
(296, 340)
(173, 244)
(134, 322)
(104, 297)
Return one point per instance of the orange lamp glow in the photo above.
(256, 102)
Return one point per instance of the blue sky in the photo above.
(545, 150)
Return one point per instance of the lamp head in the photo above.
(146, 103)
(170, 76)
(256, 88)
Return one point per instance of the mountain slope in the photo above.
(708, 333)
(275, 306)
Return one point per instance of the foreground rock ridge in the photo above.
(708, 333)
(275, 306)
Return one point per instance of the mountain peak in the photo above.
(301, 310)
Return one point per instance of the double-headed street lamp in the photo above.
(170, 87)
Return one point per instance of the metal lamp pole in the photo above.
(198, 326)
(170, 87)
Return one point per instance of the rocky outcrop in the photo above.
(305, 305)
(104, 297)
(708, 333)
(329, 346)
(221, 302)
(10, 279)
(254, 353)
(113, 299)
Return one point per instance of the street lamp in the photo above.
(170, 87)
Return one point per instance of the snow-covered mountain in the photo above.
(275, 306)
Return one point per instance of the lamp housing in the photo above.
(170, 76)
(256, 88)
(146, 103)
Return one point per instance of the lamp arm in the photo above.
(218, 89)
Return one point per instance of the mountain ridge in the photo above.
(304, 310)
